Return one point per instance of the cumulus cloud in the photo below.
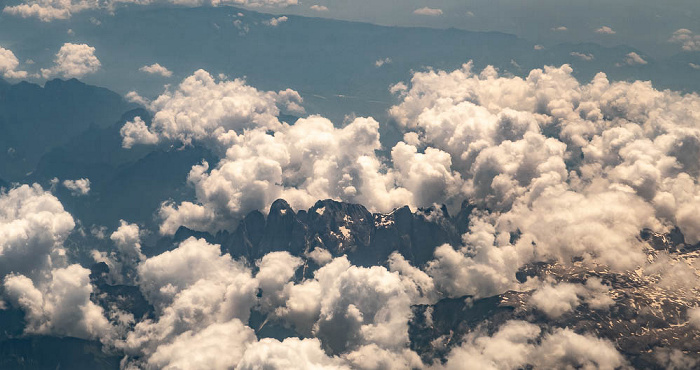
(481, 269)
(36, 278)
(674, 359)
(218, 346)
(609, 166)
(348, 307)
(60, 306)
(127, 239)
(515, 345)
(292, 353)
(694, 317)
(381, 62)
(9, 64)
(203, 298)
(274, 22)
(49, 10)
(200, 296)
(156, 69)
(633, 59)
(33, 226)
(558, 299)
(203, 108)
(46, 11)
(482, 128)
(304, 162)
(251, 3)
(558, 170)
(428, 11)
(688, 40)
(265, 159)
(605, 30)
(73, 60)
(78, 187)
(134, 97)
(319, 8)
(358, 315)
(125, 258)
(583, 56)
(566, 349)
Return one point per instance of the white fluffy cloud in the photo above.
(156, 69)
(428, 11)
(688, 39)
(274, 22)
(557, 299)
(36, 278)
(348, 307)
(78, 187)
(292, 353)
(49, 10)
(514, 346)
(205, 109)
(583, 56)
(616, 157)
(634, 59)
(73, 60)
(605, 30)
(264, 159)
(125, 258)
(9, 64)
(216, 347)
(574, 170)
(381, 62)
(319, 8)
(60, 306)
(481, 269)
(33, 227)
(200, 296)
(694, 317)
(203, 298)
(565, 349)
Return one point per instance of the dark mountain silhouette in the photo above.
(340, 228)
(35, 119)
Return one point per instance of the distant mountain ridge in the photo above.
(332, 63)
(340, 228)
(34, 119)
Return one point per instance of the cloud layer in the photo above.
(9, 64)
(36, 277)
(577, 171)
(49, 10)
(73, 61)
(557, 170)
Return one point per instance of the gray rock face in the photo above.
(648, 316)
(344, 229)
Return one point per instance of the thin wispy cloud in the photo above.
(605, 30)
(319, 8)
(156, 69)
(428, 11)
(583, 56)
(688, 40)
